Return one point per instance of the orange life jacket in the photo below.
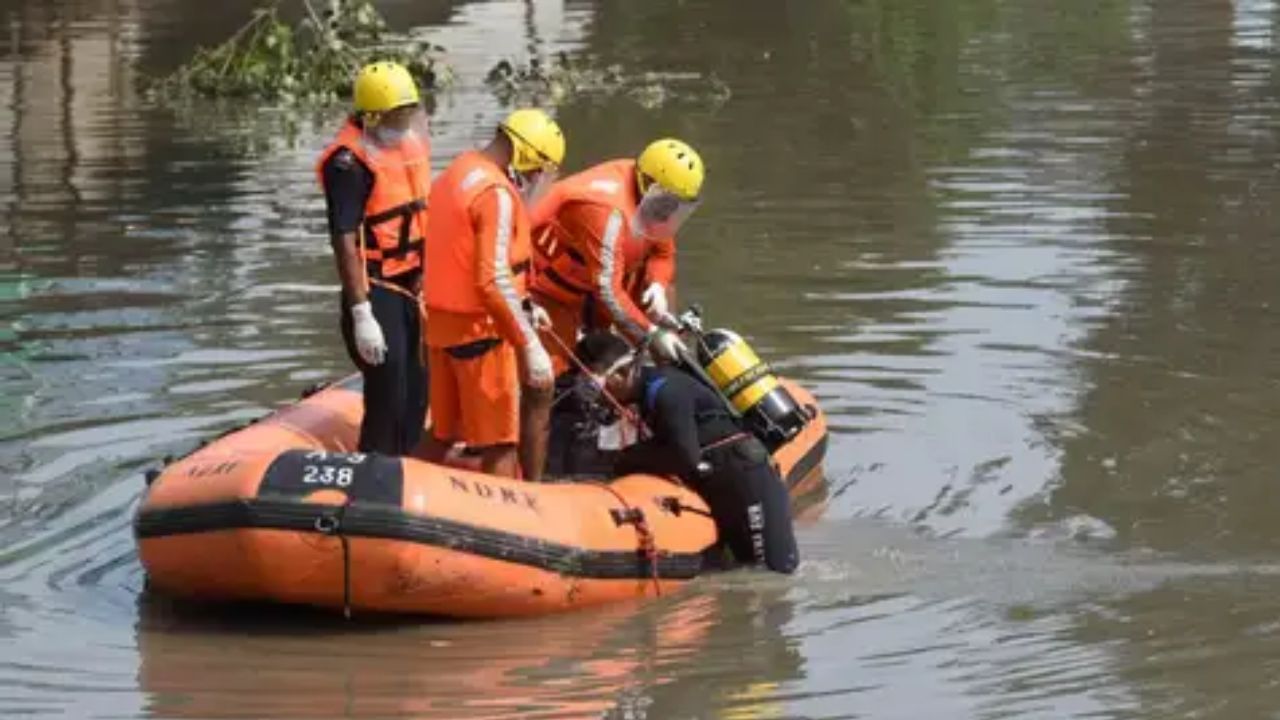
(561, 270)
(451, 257)
(395, 215)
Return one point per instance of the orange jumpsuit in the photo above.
(478, 255)
(587, 260)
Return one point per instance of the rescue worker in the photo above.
(376, 175)
(491, 378)
(696, 439)
(606, 235)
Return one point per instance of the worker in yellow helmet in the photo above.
(376, 175)
(606, 237)
(491, 377)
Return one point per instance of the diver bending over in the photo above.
(696, 439)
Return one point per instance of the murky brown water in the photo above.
(1025, 253)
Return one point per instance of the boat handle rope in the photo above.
(647, 543)
(330, 523)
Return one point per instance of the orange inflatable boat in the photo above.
(283, 510)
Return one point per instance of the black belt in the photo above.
(473, 349)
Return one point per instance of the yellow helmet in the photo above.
(384, 86)
(536, 140)
(674, 166)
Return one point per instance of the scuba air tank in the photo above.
(768, 411)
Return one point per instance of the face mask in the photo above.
(660, 214)
(625, 368)
(532, 186)
(388, 137)
(618, 365)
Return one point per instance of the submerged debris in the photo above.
(566, 76)
(310, 62)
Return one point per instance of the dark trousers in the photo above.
(395, 392)
(750, 505)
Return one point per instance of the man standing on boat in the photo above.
(695, 438)
(376, 175)
(491, 378)
(607, 234)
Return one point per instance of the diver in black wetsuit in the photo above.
(696, 439)
(579, 417)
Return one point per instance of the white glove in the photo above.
(369, 341)
(539, 317)
(665, 345)
(537, 366)
(654, 300)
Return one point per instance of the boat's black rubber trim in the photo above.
(386, 522)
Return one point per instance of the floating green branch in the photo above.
(313, 61)
(310, 62)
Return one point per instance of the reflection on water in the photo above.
(613, 662)
(1172, 445)
(1022, 252)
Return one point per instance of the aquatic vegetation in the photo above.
(310, 62)
(535, 82)
(275, 80)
